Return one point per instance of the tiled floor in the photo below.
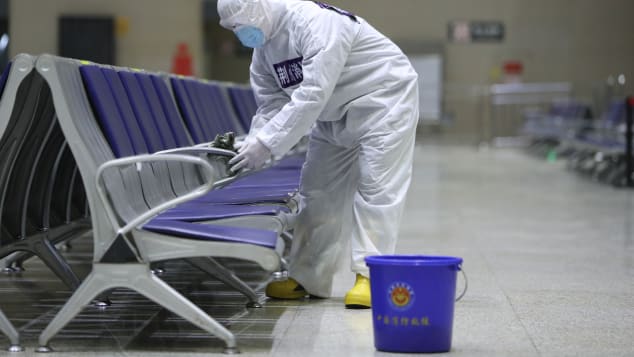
(549, 256)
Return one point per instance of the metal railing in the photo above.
(505, 104)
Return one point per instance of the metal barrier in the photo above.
(505, 104)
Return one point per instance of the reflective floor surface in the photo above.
(549, 257)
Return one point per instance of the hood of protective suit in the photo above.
(259, 13)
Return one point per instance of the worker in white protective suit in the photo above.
(320, 67)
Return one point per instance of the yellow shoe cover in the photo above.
(287, 289)
(359, 296)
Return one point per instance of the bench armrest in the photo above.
(198, 149)
(139, 160)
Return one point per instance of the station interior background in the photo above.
(581, 42)
(549, 251)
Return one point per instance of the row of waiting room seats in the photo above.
(592, 146)
(126, 154)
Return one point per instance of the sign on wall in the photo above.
(476, 31)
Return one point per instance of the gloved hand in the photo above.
(252, 155)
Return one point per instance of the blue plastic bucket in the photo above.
(413, 301)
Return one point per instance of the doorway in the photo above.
(89, 38)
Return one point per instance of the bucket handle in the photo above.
(466, 283)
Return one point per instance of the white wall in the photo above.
(155, 28)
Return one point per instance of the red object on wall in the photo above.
(182, 62)
(513, 67)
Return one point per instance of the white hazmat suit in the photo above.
(325, 68)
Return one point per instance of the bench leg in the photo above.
(7, 328)
(217, 270)
(137, 277)
(85, 293)
(6, 263)
(46, 251)
(14, 262)
(157, 290)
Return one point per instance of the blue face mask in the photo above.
(250, 36)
